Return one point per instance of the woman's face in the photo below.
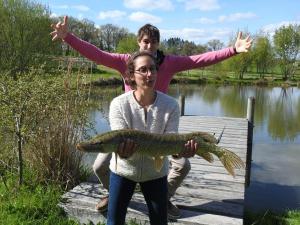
(144, 72)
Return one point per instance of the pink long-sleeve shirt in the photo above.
(171, 65)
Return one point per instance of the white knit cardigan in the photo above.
(161, 117)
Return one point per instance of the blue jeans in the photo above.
(120, 193)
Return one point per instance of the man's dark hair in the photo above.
(150, 30)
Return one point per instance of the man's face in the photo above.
(148, 44)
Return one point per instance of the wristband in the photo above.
(234, 49)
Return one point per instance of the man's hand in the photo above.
(126, 149)
(60, 29)
(242, 45)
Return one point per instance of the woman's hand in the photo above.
(190, 149)
(60, 29)
(126, 149)
(242, 45)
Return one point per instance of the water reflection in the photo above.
(275, 181)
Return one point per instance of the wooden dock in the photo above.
(208, 195)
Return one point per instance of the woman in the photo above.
(148, 38)
(149, 110)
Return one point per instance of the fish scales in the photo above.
(156, 145)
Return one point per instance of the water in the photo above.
(275, 180)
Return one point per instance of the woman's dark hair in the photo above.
(129, 73)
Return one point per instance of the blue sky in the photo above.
(193, 20)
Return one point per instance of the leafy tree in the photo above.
(111, 35)
(287, 46)
(24, 35)
(214, 45)
(189, 48)
(240, 63)
(128, 44)
(84, 29)
(173, 45)
(263, 55)
(44, 118)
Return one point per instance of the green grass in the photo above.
(290, 217)
(206, 76)
(32, 205)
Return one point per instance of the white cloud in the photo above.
(204, 20)
(149, 4)
(78, 7)
(191, 34)
(197, 35)
(271, 28)
(81, 8)
(60, 6)
(144, 17)
(203, 5)
(53, 15)
(237, 16)
(113, 14)
(80, 16)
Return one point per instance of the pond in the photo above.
(275, 179)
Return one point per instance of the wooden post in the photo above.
(250, 118)
(181, 104)
(250, 109)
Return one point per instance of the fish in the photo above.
(160, 145)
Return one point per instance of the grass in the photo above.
(32, 205)
(290, 217)
(103, 73)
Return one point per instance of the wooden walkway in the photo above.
(208, 195)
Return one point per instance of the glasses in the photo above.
(145, 70)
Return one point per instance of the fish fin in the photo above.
(207, 137)
(158, 162)
(231, 161)
(207, 156)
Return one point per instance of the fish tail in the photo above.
(230, 161)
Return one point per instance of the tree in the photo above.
(287, 45)
(87, 30)
(263, 55)
(189, 48)
(111, 35)
(240, 63)
(214, 45)
(173, 45)
(128, 44)
(44, 117)
(24, 35)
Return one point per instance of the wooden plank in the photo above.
(212, 194)
(202, 168)
(86, 196)
(213, 176)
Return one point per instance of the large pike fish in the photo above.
(158, 145)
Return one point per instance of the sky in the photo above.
(193, 20)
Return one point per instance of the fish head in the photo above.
(104, 143)
(90, 146)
